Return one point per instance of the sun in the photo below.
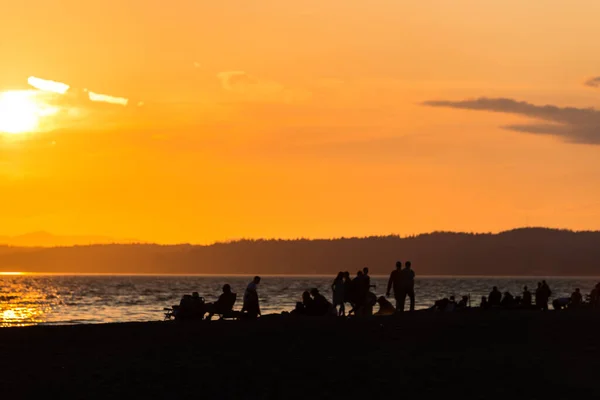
(21, 110)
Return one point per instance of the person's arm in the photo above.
(390, 281)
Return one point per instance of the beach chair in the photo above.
(169, 313)
(230, 313)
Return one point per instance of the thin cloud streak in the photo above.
(576, 125)
(105, 98)
(593, 82)
(47, 85)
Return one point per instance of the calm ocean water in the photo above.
(77, 299)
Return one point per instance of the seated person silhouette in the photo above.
(224, 305)
(561, 303)
(385, 307)
(321, 306)
(495, 297)
(308, 304)
(463, 303)
(299, 310)
(576, 298)
(508, 300)
(484, 303)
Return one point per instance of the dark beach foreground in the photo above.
(491, 355)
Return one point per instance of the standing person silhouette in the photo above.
(394, 282)
(526, 299)
(407, 286)
(338, 294)
(251, 304)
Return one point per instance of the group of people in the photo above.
(194, 307)
(357, 293)
(539, 299)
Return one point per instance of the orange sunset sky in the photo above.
(298, 118)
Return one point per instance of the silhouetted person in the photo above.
(463, 303)
(299, 310)
(526, 299)
(542, 295)
(251, 304)
(347, 288)
(394, 282)
(576, 298)
(451, 305)
(367, 280)
(223, 305)
(561, 302)
(508, 300)
(495, 297)
(357, 293)
(385, 307)
(338, 293)
(595, 296)
(484, 303)
(407, 286)
(320, 303)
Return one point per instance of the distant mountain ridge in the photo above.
(46, 239)
(526, 251)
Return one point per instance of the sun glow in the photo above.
(21, 111)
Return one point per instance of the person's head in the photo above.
(539, 284)
(577, 290)
(359, 273)
(495, 289)
(398, 264)
(314, 292)
(366, 270)
(305, 296)
(525, 288)
(544, 283)
(381, 300)
(465, 298)
(256, 280)
(346, 275)
(226, 288)
(195, 295)
(452, 298)
(407, 265)
(506, 294)
(340, 275)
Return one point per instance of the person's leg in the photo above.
(404, 294)
(411, 295)
(342, 309)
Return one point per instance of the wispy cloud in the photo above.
(579, 125)
(236, 80)
(47, 85)
(255, 89)
(593, 82)
(105, 98)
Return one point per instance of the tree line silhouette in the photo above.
(525, 251)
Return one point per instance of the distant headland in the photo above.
(518, 252)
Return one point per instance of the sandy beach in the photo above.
(474, 354)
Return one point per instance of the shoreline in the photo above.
(479, 354)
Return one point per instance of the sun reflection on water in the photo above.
(22, 302)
